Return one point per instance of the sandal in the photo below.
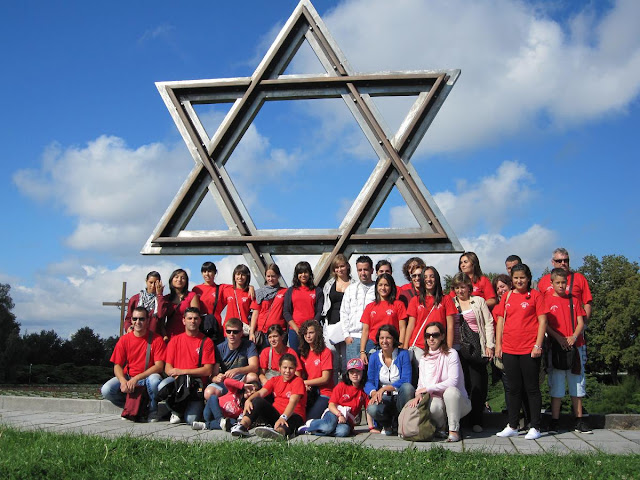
(453, 437)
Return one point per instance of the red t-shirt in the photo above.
(521, 325)
(421, 311)
(282, 392)
(315, 364)
(275, 358)
(131, 351)
(559, 315)
(349, 396)
(377, 314)
(230, 402)
(175, 314)
(230, 295)
(270, 311)
(402, 288)
(581, 290)
(481, 288)
(183, 351)
(208, 299)
(303, 300)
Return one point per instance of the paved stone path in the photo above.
(110, 425)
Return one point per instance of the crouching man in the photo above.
(190, 361)
(138, 359)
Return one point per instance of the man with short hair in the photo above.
(512, 261)
(190, 361)
(138, 359)
(238, 358)
(577, 284)
(356, 297)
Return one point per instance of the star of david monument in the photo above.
(246, 96)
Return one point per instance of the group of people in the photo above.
(313, 360)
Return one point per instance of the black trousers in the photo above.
(265, 411)
(476, 382)
(523, 374)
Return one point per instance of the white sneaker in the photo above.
(304, 428)
(225, 425)
(239, 431)
(199, 426)
(532, 434)
(269, 432)
(508, 432)
(175, 419)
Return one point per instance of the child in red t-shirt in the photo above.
(565, 326)
(347, 401)
(286, 414)
(317, 362)
(222, 413)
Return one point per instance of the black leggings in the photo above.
(263, 410)
(476, 380)
(523, 373)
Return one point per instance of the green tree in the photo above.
(10, 342)
(44, 348)
(87, 346)
(612, 333)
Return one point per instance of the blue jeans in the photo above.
(319, 406)
(328, 425)
(294, 342)
(386, 412)
(213, 414)
(111, 391)
(193, 410)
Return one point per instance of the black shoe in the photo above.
(582, 427)
(554, 426)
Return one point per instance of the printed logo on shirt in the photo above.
(420, 307)
(245, 299)
(229, 299)
(280, 295)
(312, 295)
(553, 308)
(345, 397)
(373, 313)
(288, 395)
(316, 362)
(524, 305)
(476, 289)
(389, 312)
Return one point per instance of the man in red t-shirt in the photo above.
(190, 361)
(138, 359)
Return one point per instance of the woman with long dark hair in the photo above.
(176, 303)
(303, 301)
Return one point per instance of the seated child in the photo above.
(221, 413)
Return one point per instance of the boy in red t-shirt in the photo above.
(565, 326)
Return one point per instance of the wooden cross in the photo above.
(121, 304)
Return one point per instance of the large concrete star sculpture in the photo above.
(268, 83)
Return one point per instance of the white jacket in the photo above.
(356, 297)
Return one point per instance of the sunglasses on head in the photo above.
(432, 335)
(232, 332)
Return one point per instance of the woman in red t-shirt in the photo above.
(385, 310)
(267, 306)
(237, 297)
(407, 269)
(521, 327)
(176, 302)
(317, 361)
(469, 264)
(429, 306)
(270, 356)
(303, 301)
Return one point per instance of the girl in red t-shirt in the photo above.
(317, 361)
(521, 327)
(270, 356)
(469, 264)
(347, 401)
(175, 303)
(385, 310)
(237, 297)
(267, 306)
(303, 301)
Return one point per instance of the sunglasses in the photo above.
(416, 275)
(138, 319)
(233, 332)
(432, 335)
(561, 260)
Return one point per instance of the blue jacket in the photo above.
(402, 361)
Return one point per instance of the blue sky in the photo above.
(531, 150)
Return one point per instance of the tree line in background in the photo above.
(613, 335)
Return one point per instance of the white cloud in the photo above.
(518, 64)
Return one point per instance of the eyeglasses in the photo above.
(432, 335)
(416, 275)
(233, 332)
(138, 319)
(561, 260)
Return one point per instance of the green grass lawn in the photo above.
(45, 455)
